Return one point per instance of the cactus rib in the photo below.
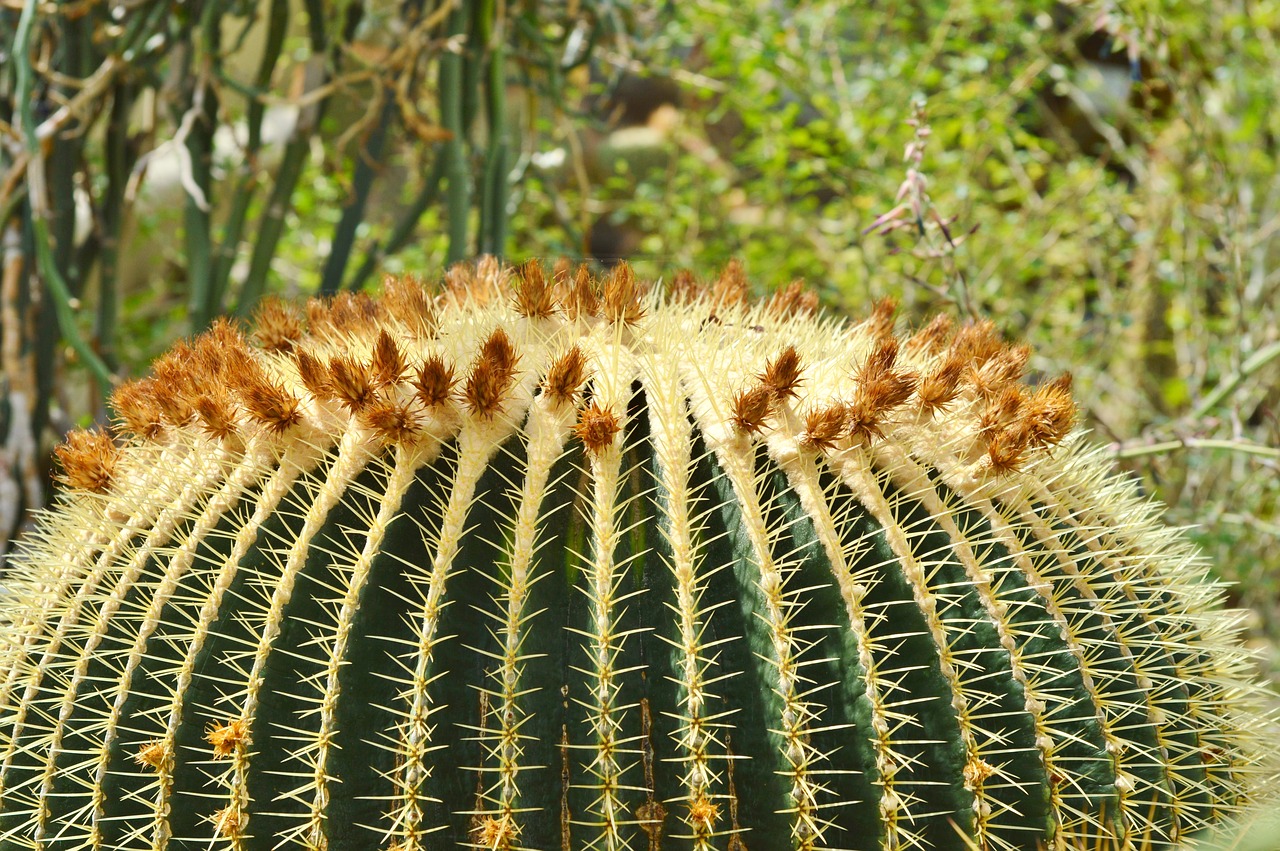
(583, 564)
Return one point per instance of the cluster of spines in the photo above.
(970, 369)
(971, 418)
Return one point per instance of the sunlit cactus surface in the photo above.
(538, 560)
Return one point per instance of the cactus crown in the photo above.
(568, 563)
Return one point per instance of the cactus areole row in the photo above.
(541, 560)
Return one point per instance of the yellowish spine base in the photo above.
(478, 440)
(206, 468)
(611, 391)
(292, 463)
(697, 738)
(353, 455)
(255, 463)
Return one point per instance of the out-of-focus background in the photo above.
(1098, 177)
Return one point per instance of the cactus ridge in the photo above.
(548, 561)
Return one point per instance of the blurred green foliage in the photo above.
(1100, 178)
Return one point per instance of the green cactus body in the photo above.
(590, 567)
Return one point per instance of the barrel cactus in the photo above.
(539, 560)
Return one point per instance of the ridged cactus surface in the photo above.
(543, 561)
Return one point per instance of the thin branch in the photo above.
(186, 168)
(1122, 450)
(1228, 385)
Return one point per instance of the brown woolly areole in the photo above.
(487, 340)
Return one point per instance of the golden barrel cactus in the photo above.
(546, 561)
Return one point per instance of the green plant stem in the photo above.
(247, 185)
(118, 167)
(458, 190)
(58, 288)
(368, 164)
(272, 225)
(472, 60)
(287, 175)
(493, 215)
(1121, 451)
(197, 223)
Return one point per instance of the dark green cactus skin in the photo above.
(498, 629)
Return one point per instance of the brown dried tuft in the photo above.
(150, 755)
(597, 427)
(730, 288)
(264, 399)
(881, 388)
(174, 373)
(976, 343)
(685, 287)
(314, 374)
(940, 387)
(534, 298)
(493, 276)
(226, 738)
(580, 300)
(434, 382)
(881, 359)
(276, 325)
(1050, 413)
(460, 281)
(561, 275)
(499, 350)
(220, 348)
(478, 284)
(353, 312)
(1005, 450)
(782, 375)
(484, 390)
(930, 339)
(388, 361)
(345, 314)
(406, 301)
(823, 427)
(622, 296)
(350, 382)
(795, 299)
(318, 315)
(88, 460)
(997, 372)
(393, 422)
(863, 421)
(881, 385)
(1001, 412)
(217, 413)
(751, 409)
(880, 322)
(136, 407)
(491, 375)
(565, 376)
